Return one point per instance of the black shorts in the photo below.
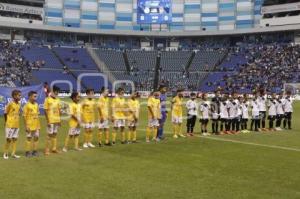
(244, 120)
(204, 121)
(279, 116)
(288, 115)
(262, 115)
(224, 120)
(272, 117)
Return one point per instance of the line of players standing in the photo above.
(229, 114)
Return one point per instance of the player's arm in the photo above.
(46, 108)
(6, 111)
(151, 111)
(100, 111)
(113, 105)
(25, 113)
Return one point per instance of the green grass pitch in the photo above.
(255, 165)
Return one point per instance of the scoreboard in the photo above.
(154, 11)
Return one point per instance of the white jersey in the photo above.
(224, 110)
(191, 106)
(279, 107)
(245, 110)
(288, 105)
(255, 108)
(262, 101)
(272, 104)
(204, 109)
(233, 109)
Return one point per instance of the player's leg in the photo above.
(114, 133)
(129, 133)
(252, 124)
(263, 120)
(289, 120)
(134, 134)
(148, 131)
(189, 124)
(28, 144)
(256, 123)
(100, 133)
(7, 145)
(67, 140)
(35, 143)
(123, 135)
(15, 137)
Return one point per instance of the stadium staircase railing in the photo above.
(100, 64)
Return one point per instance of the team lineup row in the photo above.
(231, 113)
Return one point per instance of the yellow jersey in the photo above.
(88, 111)
(177, 107)
(31, 114)
(154, 104)
(52, 107)
(103, 105)
(74, 110)
(118, 108)
(12, 110)
(133, 109)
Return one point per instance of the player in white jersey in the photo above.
(205, 112)
(279, 112)
(245, 114)
(272, 104)
(255, 114)
(191, 107)
(233, 113)
(224, 115)
(262, 103)
(288, 110)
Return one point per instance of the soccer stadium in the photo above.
(150, 99)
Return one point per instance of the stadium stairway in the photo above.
(67, 67)
(156, 73)
(126, 61)
(190, 61)
(100, 64)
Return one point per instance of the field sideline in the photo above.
(255, 165)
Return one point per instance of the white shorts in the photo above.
(119, 123)
(74, 131)
(35, 134)
(153, 123)
(52, 128)
(103, 125)
(176, 120)
(132, 123)
(11, 133)
(88, 125)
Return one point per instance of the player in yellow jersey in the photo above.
(118, 108)
(52, 106)
(103, 111)
(133, 116)
(31, 114)
(12, 124)
(74, 122)
(88, 118)
(177, 104)
(154, 114)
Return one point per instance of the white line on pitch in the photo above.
(242, 142)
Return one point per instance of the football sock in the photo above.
(76, 142)
(14, 147)
(134, 135)
(67, 141)
(129, 135)
(6, 147)
(148, 133)
(100, 136)
(106, 137)
(114, 135)
(27, 145)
